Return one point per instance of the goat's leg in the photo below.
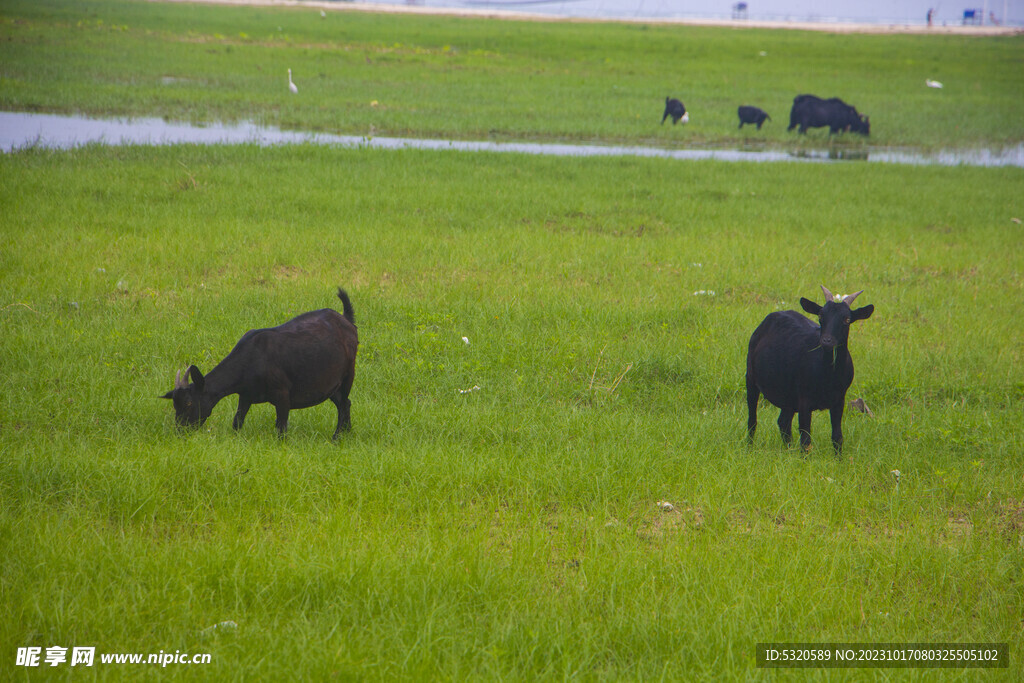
(243, 408)
(340, 398)
(344, 414)
(281, 398)
(786, 425)
(283, 406)
(753, 393)
(804, 422)
(836, 413)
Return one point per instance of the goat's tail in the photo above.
(346, 305)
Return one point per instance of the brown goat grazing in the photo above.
(302, 363)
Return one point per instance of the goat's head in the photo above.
(835, 316)
(191, 404)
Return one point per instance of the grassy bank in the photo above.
(465, 78)
(512, 531)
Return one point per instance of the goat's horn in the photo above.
(828, 294)
(178, 382)
(848, 299)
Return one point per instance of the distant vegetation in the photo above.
(385, 74)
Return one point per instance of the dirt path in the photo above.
(524, 16)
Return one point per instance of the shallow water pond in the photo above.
(51, 131)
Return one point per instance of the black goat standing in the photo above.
(754, 115)
(302, 363)
(801, 367)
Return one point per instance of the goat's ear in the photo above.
(169, 394)
(810, 306)
(862, 313)
(197, 377)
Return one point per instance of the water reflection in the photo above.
(835, 154)
(20, 131)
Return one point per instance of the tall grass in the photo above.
(511, 531)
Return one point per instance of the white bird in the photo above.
(291, 86)
(932, 84)
(323, 14)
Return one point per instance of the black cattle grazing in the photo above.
(676, 110)
(750, 114)
(813, 112)
(302, 363)
(801, 367)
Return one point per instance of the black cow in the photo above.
(750, 114)
(676, 110)
(810, 111)
(801, 367)
(302, 363)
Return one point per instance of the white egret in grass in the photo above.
(291, 86)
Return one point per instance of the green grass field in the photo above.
(511, 532)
